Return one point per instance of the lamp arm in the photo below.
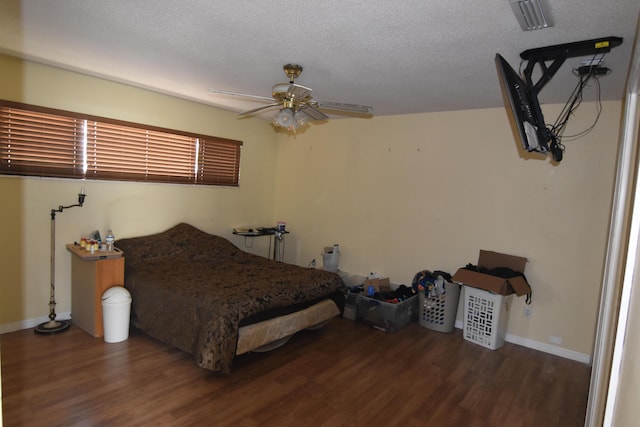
(81, 197)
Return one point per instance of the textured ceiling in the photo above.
(401, 57)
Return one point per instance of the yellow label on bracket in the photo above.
(600, 45)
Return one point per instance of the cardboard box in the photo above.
(380, 285)
(497, 285)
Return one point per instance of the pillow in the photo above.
(214, 248)
(140, 249)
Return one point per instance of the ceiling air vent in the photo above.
(531, 14)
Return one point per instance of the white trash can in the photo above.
(116, 308)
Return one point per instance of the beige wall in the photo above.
(406, 193)
(398, 193)
(130, 208)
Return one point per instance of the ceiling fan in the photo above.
(297, 106)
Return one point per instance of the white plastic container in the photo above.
(116, 309)
(330, 257)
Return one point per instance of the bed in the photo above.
(202, 294)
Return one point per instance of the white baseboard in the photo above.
(549, 348)
(544, 347)
(30, 323)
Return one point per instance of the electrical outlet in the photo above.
(555, 340)
(528, 312)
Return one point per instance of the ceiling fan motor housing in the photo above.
(292, 71)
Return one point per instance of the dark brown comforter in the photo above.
(192, 290)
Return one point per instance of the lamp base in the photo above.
(52, 327)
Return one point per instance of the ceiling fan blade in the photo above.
(244, 95)
(255, 110)
(313, 114)
(298, 92)
(348, 108)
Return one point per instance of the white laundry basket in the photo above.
(438, 312)
(485, 317)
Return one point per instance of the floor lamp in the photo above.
(54, 326)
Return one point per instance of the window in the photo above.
(40, 141)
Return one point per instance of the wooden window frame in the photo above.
(47, 142)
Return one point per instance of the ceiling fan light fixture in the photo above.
(531, 14)
(300, 119)
(284, 118)
(290, 120)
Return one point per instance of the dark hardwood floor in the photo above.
(343, 374)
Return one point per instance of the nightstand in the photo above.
(91, 275)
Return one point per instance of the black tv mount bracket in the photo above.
(559, 54)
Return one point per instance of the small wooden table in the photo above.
(91, 275)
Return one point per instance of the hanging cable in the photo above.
(586, 74)
(598, 112)
(570, 107)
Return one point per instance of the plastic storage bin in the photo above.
(116, 309)
(439, 312)
(485, 317)
(386, 316)
(351, 306)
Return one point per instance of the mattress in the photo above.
(270, 334)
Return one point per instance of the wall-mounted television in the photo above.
(522, 93)
(524, 107)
